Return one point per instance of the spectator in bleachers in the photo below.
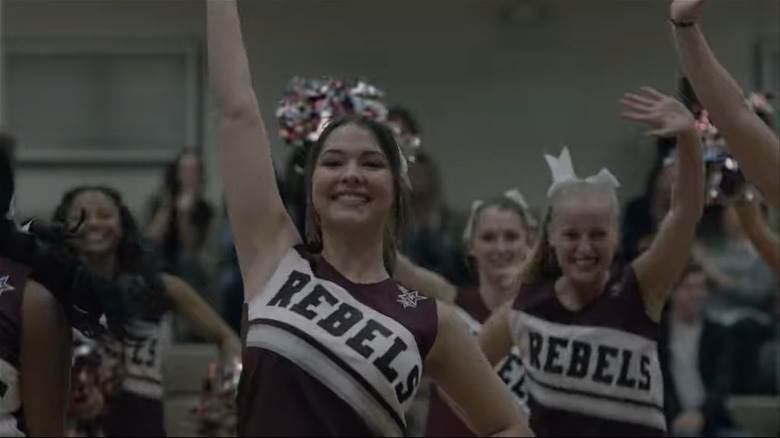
(645, 212)
(180, 218)
(697, 361)
(743, 285)
(431, 240)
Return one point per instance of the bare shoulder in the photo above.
(39, 298)
(40, 308)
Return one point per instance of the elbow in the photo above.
(517, 429)
(240, 109)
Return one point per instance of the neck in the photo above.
(101, 265)
(355, 255)
(494, 293)
(496, 290)
(585, 293)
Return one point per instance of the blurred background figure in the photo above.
(180, 218)
(432, 238)
(179, 222)
(697, 357)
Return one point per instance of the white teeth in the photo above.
(352, 197)
(585, 263)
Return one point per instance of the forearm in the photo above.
(765, 241)
(714, 86)
(209, 324)
(688, 192)
(200, 314)
(228, 64)
(158, 226)
(753, 144)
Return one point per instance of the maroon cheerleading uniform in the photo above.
(442, 421)
(592, 372)
(326, 356)
(13, 278)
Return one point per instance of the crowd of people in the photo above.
(360, 303)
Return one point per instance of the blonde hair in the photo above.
(542, 262)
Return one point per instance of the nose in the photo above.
(585, 246)
(90, 221)
(501, 245)
(351, 173)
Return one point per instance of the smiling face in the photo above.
(101, 231)
(500, 242)
(584, 235)
(352, 181)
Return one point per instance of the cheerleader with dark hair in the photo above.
(335, 346)
(108, 242)
(588, 330)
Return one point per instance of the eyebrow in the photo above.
(339, 152)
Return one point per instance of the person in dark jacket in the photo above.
(697, 361)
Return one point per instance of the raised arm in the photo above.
(202, 316)
(754, 145)
(262, 229)
(462, 372)
(761, 235)
(663, 263)
(424, 281)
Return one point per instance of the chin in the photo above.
(585, 278)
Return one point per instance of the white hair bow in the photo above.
(562, 171)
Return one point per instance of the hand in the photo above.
(686, 11)
(87, 402)
(185, 202)
(688, 423)
(666, 115)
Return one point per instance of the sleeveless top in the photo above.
(140, 352)
(326, 356)
(442, 421)
(13, 278)
(591, 372)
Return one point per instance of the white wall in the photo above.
(491, 94)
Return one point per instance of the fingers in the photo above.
(653, 93)
(634, 107)
(662, 132)
(637, 116)
(639, 100)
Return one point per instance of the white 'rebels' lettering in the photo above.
(591, 370)
(325, 316)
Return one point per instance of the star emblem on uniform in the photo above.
(4, 286)
(409, 298)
